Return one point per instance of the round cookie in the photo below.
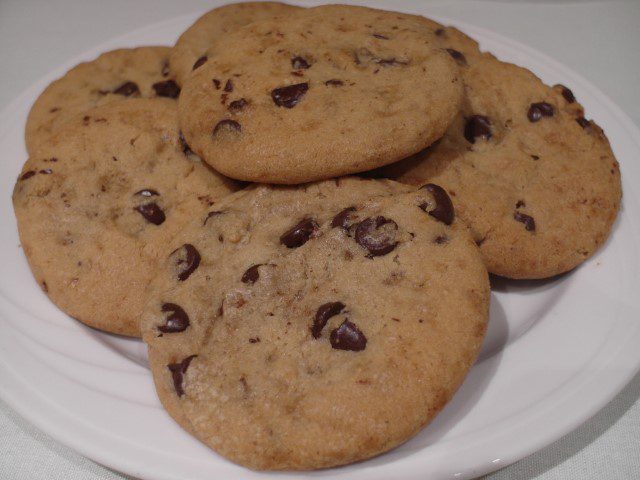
(329, 91)
(193, 47)
(537, 183)
(313, 326)
(115, 75)
(98, 202)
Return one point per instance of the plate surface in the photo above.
(556, 351)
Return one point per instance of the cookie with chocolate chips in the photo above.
(313, 326)
(115, 75)
(537, 183)
(196, 45)
(98, 202)
(322, 92)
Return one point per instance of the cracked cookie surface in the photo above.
(322, 92)
(194, 47)
(537, 182)
(312, 326)
(99, 200)
(113, 76)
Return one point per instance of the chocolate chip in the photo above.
(211, 214)
(168, 88)
(583, 122)
(183, 143)
(535, 157)
(127, 89)
(443, 210)
(299, 63)
(216, 83)
(457, 56)
(520, 203)
(177, 372)
(27, 175)
(228, 125)
(342, 219)
(251, 275)
(529, 222)
(46, 171)
(147, 192)
(187, 259)
(228, 87)
(567, 94)
(299, 234)
(334, 82)
(151, 212)
(199, 62)
(390, 62)
(348, 337)
(377, 235)
(324, 313)
(381, 37)
(237, 105)
(539, 110)
(477, 126)
(177, 321)
(290, 95)
(254, 340)
(441, 239)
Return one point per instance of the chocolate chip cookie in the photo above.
(534, 179)
(115, 75)
(193, 48)
(99, 201)
(320, 93)
(312, 326)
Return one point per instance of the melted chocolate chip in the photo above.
(567, 94)
(377, 235)
(439, 32)
(46, 171)
(539, 110)
(390, 62)
(299, 234)
(457, 56)
(183, 143)
(177, 321)
(583, 122)
(251, 275)
(151, 212)
(299, 63)
(147, 192)
(334, 82)
(228, 87)
(441, 239)
(477, 126)
(529, 222)
(216, 83)
(348, 337)
(381, 37)
(177, 373)
(168, 88)
(127, 89)
(228, 125)
(443, 210)
(324, 313)
(237, 105)
(27, 175)
(199, 62)
(342, 219)
(290, 95)
(520, 203)
(187, 259)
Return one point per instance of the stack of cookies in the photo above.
(203, 197)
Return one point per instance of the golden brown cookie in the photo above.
(320, 93)
(98, 202)
(313, 326)
(537, 182)
(116, 75)
(194, 46)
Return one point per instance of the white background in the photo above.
(598, 39)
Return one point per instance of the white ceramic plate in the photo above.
(556, 352)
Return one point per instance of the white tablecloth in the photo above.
(598, 39)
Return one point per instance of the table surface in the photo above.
(597, 39)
